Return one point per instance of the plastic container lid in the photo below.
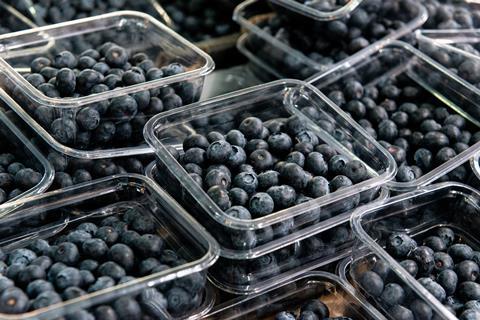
(309, 10)
(416, 213)
(249, 12)
(339, 297)
(133, 30)
(423, 72)
(13, 141)
(49, 215)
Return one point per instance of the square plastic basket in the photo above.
(53, 215)
(292, 294)
(398, 60)
(136, 32)
(300, 10)
(419, 214)
(289, 61)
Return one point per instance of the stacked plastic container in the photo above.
(282, 238)
(127, 203)
(398, 60)
(337, 296)
(418, 214)
(274, 55)
(135, 31)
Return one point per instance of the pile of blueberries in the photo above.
(56, 11)
(71, 171)
(451, 14)
(258, 168)
(95, 255)
(250, 272)
(444, 264)
(311, 310)
(327, 43)
(16, 177)
(108, 123)
(199, 20)
(406, 120)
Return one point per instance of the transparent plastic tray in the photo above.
(288, 61)
(299, 10)
(268, 101)
(31, 10)
(416, 213)
(392, 59)
(133, 30)
(13, 141)
(11, 20)
(50, 215)
(308, 249)
(291, 295)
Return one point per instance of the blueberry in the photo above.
(339, 182)
(195, 155)
(178, 300)
(112, 270)
(423, 158)
(268, 179)
(255, 144)
(237, 157)
(116, 56)
(251, 127)
(21, 256)
(236, 138)
(460, 252)
(220, 196)
(434, 288)
(80, 176)
(122, 254)
(448, 279)
(95, 248)
(308, 315)
(318, 187)
(39, 63)
(400, 245)
(29, 274)
(127, 308)
(107, 234)
(295, 176)
(148, 245)
(64, 130)
(39, 246)
(103, 282)
(153, 302)
(284, 315)
(405, 174)
(217, 177)
(337, 164)
(424, 256)
(356, 171)
(45, 299)
(219, 151)
(195, 141)
(54, 270)
(469, 290)
(238, 197)
(68, 277)
(65, 82)
(246, 181)
(261, 204)
(38, 286)
(123, 108)
(261, 160)
(392, 294)
(280, 143)
(65, 59)
(371, 283)
(316, 164)
(317, 307)
(421, 310)
(78, 237)
(446, 234)
(88, 118)
(105, 312)
(283, 196)
(442, 261)
(467, 270)
(13, 301)
(133, 76)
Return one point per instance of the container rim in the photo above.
(37, 96)
(282, 242)
(356, 224)
(219, 215)
(48, 174)
(118, 182)
(239, 17)
(359, 58)
(316, 14)
(220, 309)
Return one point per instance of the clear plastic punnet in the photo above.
(309, 10)
(302, 59)
(292, 295)
(17, 153)
(422, 215)
(125, 207)
(430, 86)
(246, 243)
(122, 105)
